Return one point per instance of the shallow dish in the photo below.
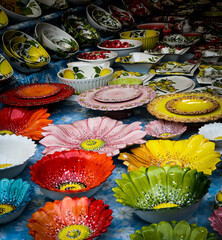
(154, 199)
(211, 57)
(71, 173)
(149, 38)
(165, 129)
(6, 70)
(178, 40)
(174, 230)
(208, 72)
(15, 152)
(3, 19)
(86, 218)
(120, 46)
(14, 196)
(126, 80)
(21, 11)
(217, 84)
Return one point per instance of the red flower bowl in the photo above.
(71, 173)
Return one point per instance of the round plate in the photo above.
(87, 100)
(9, 97)
(192, 105)
(118, 93)
(157, 108)
(37, 90)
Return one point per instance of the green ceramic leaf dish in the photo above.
(173, 231)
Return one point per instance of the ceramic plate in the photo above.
(171, 84)
(9, 97)
(192, 105)
(37, 90)
(207, 72)
(157, 107)
(175, 68)
(87, 100)
(168, 50)
(117, 93)
(207, 89)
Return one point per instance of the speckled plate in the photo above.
(157, 107)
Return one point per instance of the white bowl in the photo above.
(33, 5)
(101, 20)
(136, 47)
(212, 131)
(139, 62)
(211, 57)
(89, 72)
(15, 150)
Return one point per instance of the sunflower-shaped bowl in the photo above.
(172, 230)
(14, 196)
(165, 129)
(71, 218)
(15, 152)
(71, 173)
(162, 193)
(196, 152)
(216, 219)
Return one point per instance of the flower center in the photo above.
(3, 132)
(5, 208)
(5, 165)
(77, 232)
(72, 186)
(171, 162)
(92, 144)
(165, 205)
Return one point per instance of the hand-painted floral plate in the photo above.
(207, 72)
(9, 97)
(117, 93)
(37, 90)
(208, 89)
(87, 100)
(157, 107)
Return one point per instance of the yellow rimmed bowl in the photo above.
(6, 70)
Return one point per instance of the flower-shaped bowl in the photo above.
(15, 152)
(172, 230)
(149, 38)
(212, 131)
(162, 193)
(21, 11)
(6, 70)
(71, 173)
(216, 219)
(126, 80)
(71, 218)
(99, 134)
(138, 61)
(85, 76)
(59, 43)
(3, 19)
(97, 57)
(196, 152)
(165, 129)
(217, 84)
(14, 196)
(120, 46)
(101, 20)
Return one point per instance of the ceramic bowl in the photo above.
(86, 218)
(216, 219)
(98, 57)
(218, 200)
(15, 152)
(120, 46)
(6, 70)
(101, 20)
(71, 173)
(80, 30)
(137, 61)
(155, 199)
(178, 40)
(149, 38)
(211, 57)
(14, 196)
(62, 4)
(24, 10)
(3, 19)
(165, 129)
(212, 131)
(155, 26)
(192, 36)
(174, 230)
(59, 43)
(217, 84)
(22, 63)
(124, 17)
(85, 76)
(126, 80)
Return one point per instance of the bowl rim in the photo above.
(146, 37)
(137, 42)
(112, 56)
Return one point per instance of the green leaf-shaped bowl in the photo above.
(171, 231)
(162, 193)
